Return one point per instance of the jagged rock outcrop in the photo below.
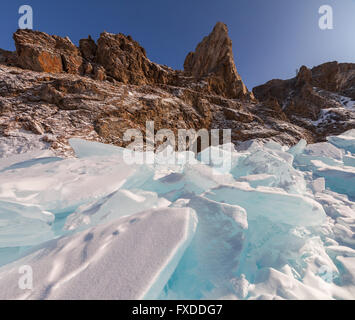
(59, 106)
(116, 57)
(335, 77)
(332, 76)
(100, 90)
(88, 48)
(40, 52)
(126, 61)
(322, 99)
(213, 60)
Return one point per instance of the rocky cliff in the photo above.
(56, 90)
(213, 60)
(321, 99)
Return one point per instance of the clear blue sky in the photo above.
(271, 38)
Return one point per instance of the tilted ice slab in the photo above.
(324, 151)
(23, 225)
(270, 160)
(24, 159)
(278, 224)
(192, 180)
(66, 184)
(275, 205)
(349, 160)
(336, 205)
(118, 204)
(344, 141)
(87, 149)
(213, 256)
(339, 179)
(131, 258)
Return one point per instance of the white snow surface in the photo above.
(131, 258)
(276, 223)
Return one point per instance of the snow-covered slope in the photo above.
(278, 223)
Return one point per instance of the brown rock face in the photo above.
(332, 76)
(88, 48)
(116, 57)
(40, 52)
(305, 99)
(213, 60)
(7, 57)
(99, 90)
(126, 61)
(327, 77)
(60, 106)
(335, 77)
(304, 76)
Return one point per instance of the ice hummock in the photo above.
(272, 223)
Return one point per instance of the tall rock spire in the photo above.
(213, 59)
